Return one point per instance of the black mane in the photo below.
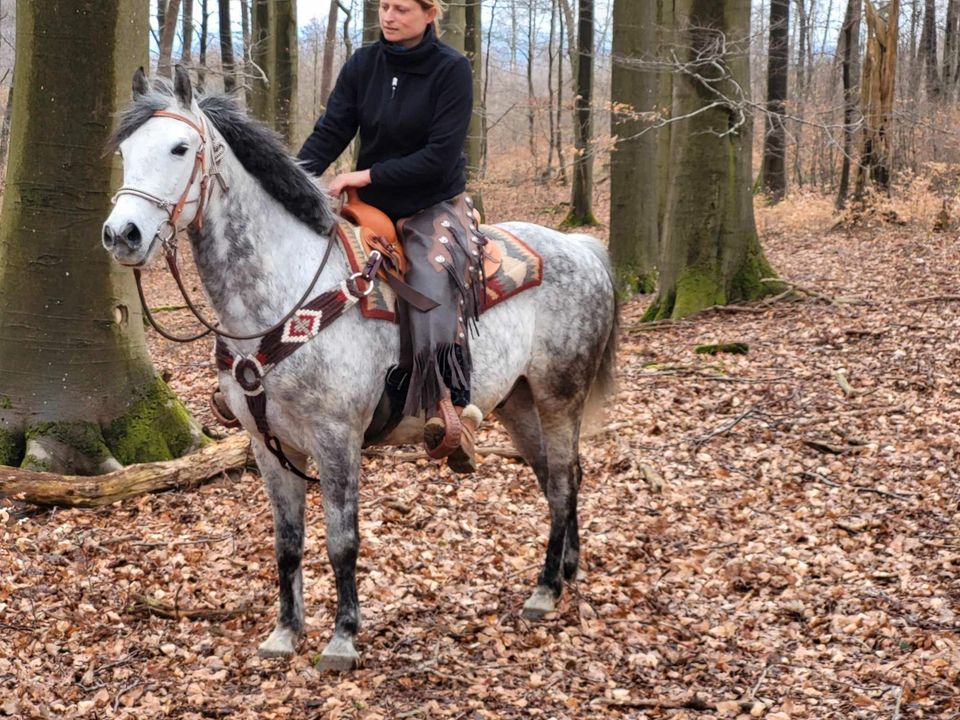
(259, 149)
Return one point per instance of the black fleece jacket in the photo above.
(412, 108)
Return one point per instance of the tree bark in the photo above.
(775, 138)
(950, 49)
(167, 32)
(78, 392)
(329, 45)
(665, 48)
(371, 22)
(581, 199)
(283, 62)
(260, 81)
(186, 55)
(226, 48)
(928, 48)
(473, 49)
(850, 69)
(204, 39)
(187, 472)
(634, 240)
(710, 253)
(877, 88)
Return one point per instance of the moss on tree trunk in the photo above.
(73, 358)
(710, 252)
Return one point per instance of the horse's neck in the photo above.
(254, 258)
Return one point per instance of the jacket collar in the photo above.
(419, 59)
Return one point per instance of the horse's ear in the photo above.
(140, 84)
(182, 88)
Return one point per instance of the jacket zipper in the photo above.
(393, 87)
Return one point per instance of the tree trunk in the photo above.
(78, 393)
(204, 39)
(634, 242)
(244, 66)
(877, 88)
(167, 32)
(581, 199)
(347, 42)
(473, 49)
(551, 56)
(283, 62)
(260, 80)
(710, 254)
(775, 139)
(928, 49)
(226, 48)
(371, 22)
(950, 49)
(850, 69)
(558, 123)
(665, 47)
(329, 45)
(531, 91)
(186, 55)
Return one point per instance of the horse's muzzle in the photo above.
(130, 236)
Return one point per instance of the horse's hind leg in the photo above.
(518, 414)
(560, 432)
(287, 496)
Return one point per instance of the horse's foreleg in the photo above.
(339, 469)
(561, 439)
(287, 496)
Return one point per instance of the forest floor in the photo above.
(758, 541)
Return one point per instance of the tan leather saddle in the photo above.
(377, 232)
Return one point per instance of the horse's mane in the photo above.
(259, 149)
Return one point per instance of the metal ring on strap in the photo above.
(248, 372)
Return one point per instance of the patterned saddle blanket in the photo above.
(512, 267)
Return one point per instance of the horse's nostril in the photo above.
(131, 235)
(109, 239)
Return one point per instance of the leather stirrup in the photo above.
(452, 430)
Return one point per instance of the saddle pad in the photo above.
(520, 268)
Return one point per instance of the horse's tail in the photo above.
(604, 383)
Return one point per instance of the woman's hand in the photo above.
(345, 181)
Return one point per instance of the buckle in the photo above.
(354, 290)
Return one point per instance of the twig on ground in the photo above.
(152, 606)
(931, 299)
(859, 488)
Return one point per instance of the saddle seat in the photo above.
(377, 232)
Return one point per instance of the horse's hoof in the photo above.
(338, 656)
(280, 644)
(539, 604)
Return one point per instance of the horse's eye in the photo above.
(180, 149)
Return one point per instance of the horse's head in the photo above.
(165, 143)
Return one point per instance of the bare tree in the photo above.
(849, 50)
(329, 45)
(581, 201)
(186, 54)
(226, 48)
(775, 138)
(634, 228)
(167, 32)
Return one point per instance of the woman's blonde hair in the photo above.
(440, 5)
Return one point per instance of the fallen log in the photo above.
(190, 471)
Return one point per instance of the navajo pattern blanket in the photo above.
(518, 267)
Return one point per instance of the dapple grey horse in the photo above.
(265, 228)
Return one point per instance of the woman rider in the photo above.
(411, 98)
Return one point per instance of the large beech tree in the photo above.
(274, 93)
(78, 392)
(710, 253)
(634, 221)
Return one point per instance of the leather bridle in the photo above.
(169, 243)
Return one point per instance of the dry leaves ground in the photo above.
(799, 561)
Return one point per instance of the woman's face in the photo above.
(404, 21)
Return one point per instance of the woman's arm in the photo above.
(447, 135)
(337, 126)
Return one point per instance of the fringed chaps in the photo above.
(444, 249)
